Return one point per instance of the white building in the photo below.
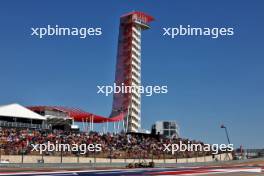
(17, 116)
(166, 128)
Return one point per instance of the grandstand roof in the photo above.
(16, 110)
(79, 115)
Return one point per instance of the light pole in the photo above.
(227, 136)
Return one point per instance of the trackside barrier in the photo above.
(120, 165)
(93, 160)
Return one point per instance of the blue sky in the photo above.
(210, 81)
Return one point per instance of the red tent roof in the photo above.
(78, 114)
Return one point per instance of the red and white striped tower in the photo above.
(128, 68)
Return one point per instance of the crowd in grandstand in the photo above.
(120, 145)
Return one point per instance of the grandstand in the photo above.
(17, 141)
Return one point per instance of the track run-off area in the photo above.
(241, 169)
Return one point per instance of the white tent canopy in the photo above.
(16, 110)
